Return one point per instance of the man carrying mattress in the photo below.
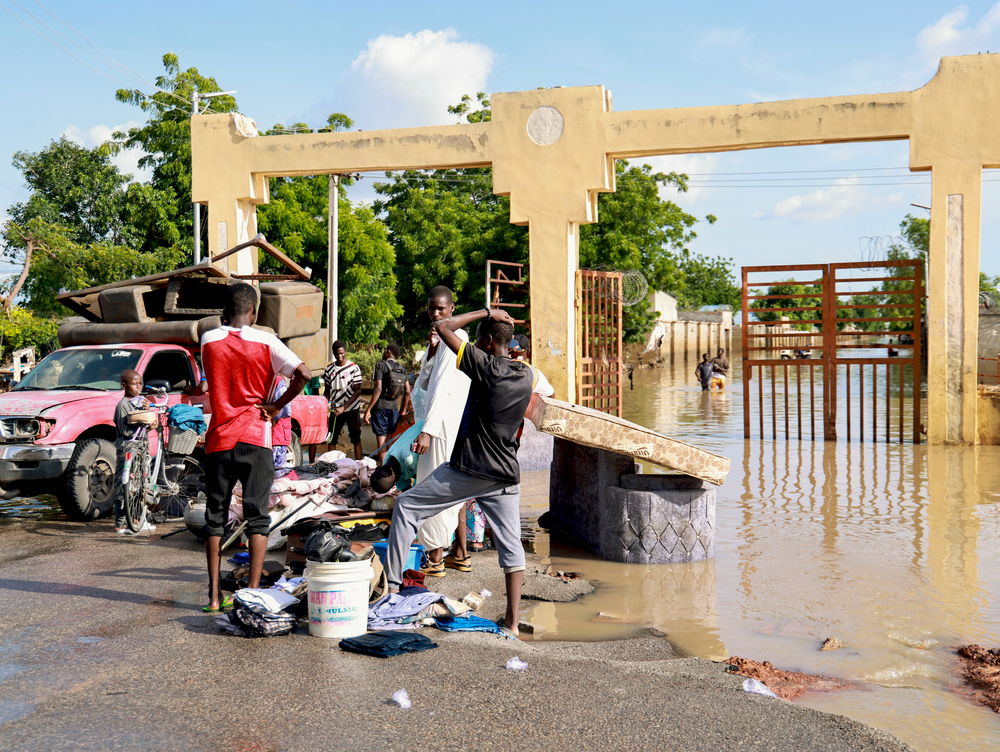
(483, 464)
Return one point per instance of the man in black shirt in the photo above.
(483, 463)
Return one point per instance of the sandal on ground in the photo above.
(505, 631)
(462, 565)
(225, 605)
(433, 569)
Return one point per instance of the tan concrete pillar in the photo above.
(953, 303)
(554, 251)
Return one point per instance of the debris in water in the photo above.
(831, 643)
(526, 627)
(563, 575)
(911, 643)
(785, 684)
(757, 687)
(402, 698)
(516, 664)
(981, 672)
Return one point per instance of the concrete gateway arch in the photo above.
(553, 150)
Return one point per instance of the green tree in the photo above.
(75, 187)
(790, 287)
(160, 210)
(59, 263)
(295, 220)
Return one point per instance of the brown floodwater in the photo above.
(891, 548)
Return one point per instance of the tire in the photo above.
(90, 478)
(184, 480)
(136, 487)
(295, 450)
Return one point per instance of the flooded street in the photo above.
(890, 548)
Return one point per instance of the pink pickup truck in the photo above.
(56, 426)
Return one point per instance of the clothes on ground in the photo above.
(267, 599)
(402, 450)
(413, 578)
(240, 365)
(392, 377)
(343, 385)
(187, 418)
(491, 425)
(396, 609)
(387, 644)
(445, 488)
(261, 612)
(471, 623)
(384, 420)
(313, 490)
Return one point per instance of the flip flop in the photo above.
(227, 603)
(505, 632)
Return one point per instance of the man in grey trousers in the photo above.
(483, 464)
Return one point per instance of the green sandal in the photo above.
(225, 605)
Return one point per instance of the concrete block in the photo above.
(292, 315)
(311, 348)
(125, 305)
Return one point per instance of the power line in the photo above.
(114, 63)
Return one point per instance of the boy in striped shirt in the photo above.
(343, 390)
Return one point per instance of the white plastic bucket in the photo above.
(338, 598)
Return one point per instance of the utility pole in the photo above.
(196, 207)
(333, 261)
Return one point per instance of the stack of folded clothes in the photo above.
(261, 613)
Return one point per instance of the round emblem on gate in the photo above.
(545, 125)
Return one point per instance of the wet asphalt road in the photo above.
(103, 647)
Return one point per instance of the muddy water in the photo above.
(890, 548)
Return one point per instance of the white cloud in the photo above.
(949, 36)
(127, 160)
(846, 196)
(411, 79)
(697, 166)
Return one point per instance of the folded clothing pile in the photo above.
(387, 644)
(261, 613)
(408, 609)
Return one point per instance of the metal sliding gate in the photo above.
(833, 350)
(599, 340)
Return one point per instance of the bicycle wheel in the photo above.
(134, 491)
(183, 480)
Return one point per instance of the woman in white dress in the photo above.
(440, 394)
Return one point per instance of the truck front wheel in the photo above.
(90, 480)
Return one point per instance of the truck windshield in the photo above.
(87, 369)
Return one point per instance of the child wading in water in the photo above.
(483, 464)
(131, 402)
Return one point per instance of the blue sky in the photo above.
(400, 64)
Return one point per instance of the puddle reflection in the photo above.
(887, 547)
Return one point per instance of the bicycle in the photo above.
(175, 478)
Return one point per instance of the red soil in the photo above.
(981, 673)
(786, 684)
